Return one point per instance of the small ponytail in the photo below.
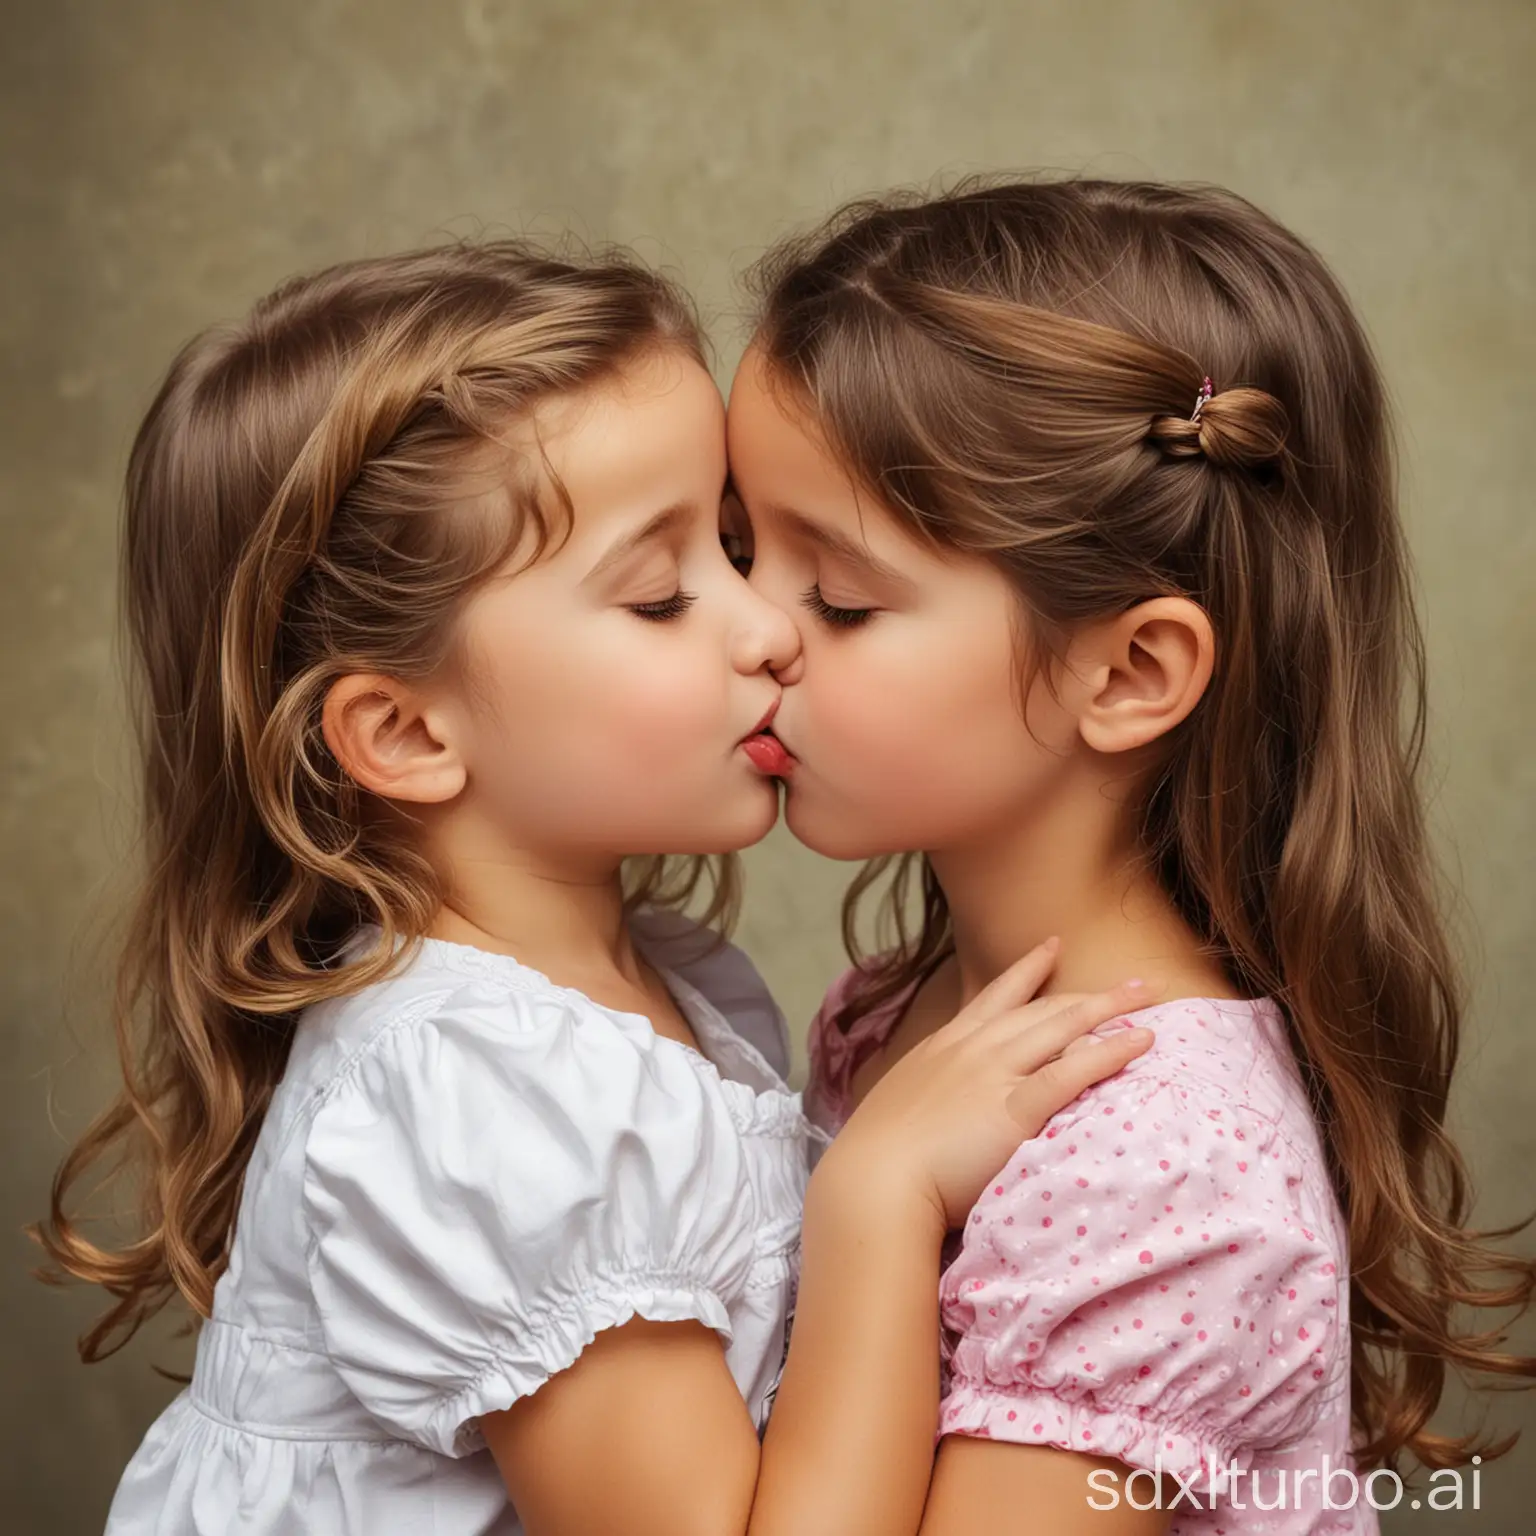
(1239, 429)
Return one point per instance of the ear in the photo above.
(1136, 677)
(385, 737)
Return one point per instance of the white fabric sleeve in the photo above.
(488, 1188)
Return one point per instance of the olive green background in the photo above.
(164, 163)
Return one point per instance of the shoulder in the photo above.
(1213, 1107)
(1214, 1065)
(466, 1053)
(498, 1170)
(442, 996)
(1149, 1165)
(1167, 1253)
(496, 1103)
(721, 973)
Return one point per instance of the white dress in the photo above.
(466, 1173)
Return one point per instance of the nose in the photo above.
(765, 637)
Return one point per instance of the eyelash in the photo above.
(673, 607)
(838, 618)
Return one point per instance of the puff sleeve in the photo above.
(490, 1185)
(1152, 1278)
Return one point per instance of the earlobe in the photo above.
(385, 738)
(1150, 667)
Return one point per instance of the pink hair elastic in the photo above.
(1207, 389)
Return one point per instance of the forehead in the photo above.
(772, 438)
(650, 436)
(791, 480)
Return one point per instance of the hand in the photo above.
(954, 1109)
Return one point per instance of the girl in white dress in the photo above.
(477, 1160)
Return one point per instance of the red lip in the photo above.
(766, 752)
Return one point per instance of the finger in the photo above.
(1018, 1024)
(1017, 985)
(1055, 1085)
(1052, 1035)
(1083, 1043)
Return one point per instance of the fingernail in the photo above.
(1134, 983)
(1054, 942)
(1139, 1033)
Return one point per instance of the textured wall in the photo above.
(167, 160)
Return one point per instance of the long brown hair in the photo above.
(314, 492)
(1013, 369)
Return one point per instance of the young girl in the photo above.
(1085, 491)
(452, 1143)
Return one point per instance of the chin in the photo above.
(830, 835)
(756, 826)
(738, 821)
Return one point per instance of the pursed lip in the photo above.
(763, 724)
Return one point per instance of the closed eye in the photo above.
(838, 618)
(673, 607)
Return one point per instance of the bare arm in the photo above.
(849, 1450)
(850, 1445)
(990, 1488)
(646, 1434)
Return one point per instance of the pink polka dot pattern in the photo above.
(1188, 1300)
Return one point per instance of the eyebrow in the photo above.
(838, 543)
(663, 522)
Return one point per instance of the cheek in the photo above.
(637, 706)
(617, 736)
(927, 692)
(661, 702)
(910, 738)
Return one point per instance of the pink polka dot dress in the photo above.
(1159, 1278)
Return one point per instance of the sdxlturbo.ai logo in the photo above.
(1276, 1488)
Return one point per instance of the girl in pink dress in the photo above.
(1084, 491)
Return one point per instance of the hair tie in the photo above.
(1207, 389)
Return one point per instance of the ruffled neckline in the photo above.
(760, 1100)
(838, 1056)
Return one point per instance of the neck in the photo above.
(560, 913)
(1071, 869)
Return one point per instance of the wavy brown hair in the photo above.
(314, 492)
(1013, 370)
